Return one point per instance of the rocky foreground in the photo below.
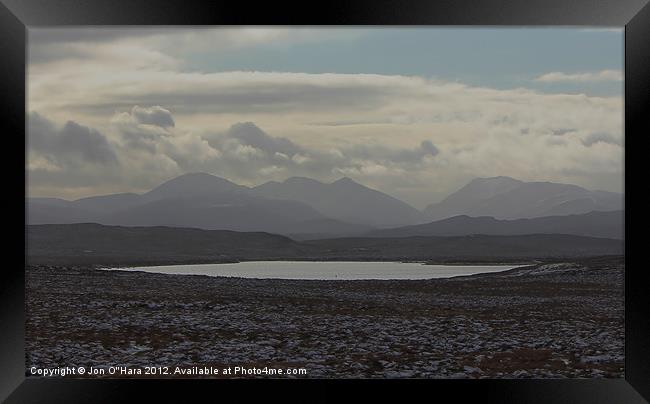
(552, 320)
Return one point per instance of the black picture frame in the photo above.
(16, 16)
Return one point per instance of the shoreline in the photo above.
(509, 267)
(465, 262)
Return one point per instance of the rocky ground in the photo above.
(551, 320)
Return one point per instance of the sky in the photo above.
(415, 112)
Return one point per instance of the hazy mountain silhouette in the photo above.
(593, 224)
(108, 203)
(228, 211)
(508, 198)
(305, 208)
(193, 200)
(344, 200)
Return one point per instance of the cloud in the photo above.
(155, 115)
(368, 99)
(557, 141)
(113, 46)
(91, 145)
(152, 130)
(562, 131)
(379, 153)
(411, 136)
(249, 134)
(151, 151)
(195, 37)
(71, 143)
(429, 147)
(74, 160)
(246, 150)
(233, 92)
(603, 75)
(69, 158)
(600, 137)
(142, 128)
(60, 35)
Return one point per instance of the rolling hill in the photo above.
(119, 245)
(593, 224)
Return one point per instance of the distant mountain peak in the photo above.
(192, 184)
(344, 200)
(487, 187)
(508, 198)
(194, 175)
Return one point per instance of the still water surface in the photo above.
(328, 270)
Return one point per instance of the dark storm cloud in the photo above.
(39, 131)
(71, 143)
(69, 156)
(90, 144)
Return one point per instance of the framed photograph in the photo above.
(426, 198)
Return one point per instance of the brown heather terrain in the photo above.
(552, 320)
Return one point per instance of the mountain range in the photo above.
(344, 200)
(508, 198)
(306, 208)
